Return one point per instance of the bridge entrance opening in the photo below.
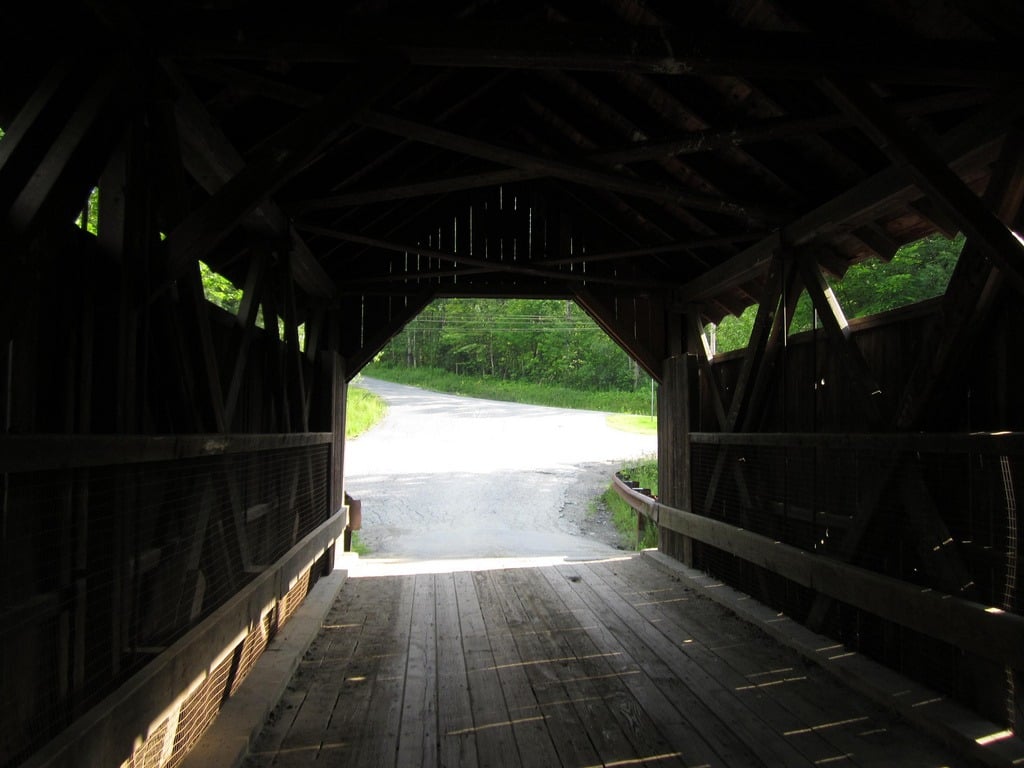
(471, 473)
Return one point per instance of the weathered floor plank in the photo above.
(582, 664)
(861, 733)
(456, 735)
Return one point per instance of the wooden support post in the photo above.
(334, 369)
(674, 418)
(970, 295)
(757, 348)
(237, 512)
(191, 286)
(193, 585)
(293, 363)
(838, 329)
(699, 342)
(276, 375)
(247, 311)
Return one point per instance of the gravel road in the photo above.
(444, 476)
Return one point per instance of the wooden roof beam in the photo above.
(564, 128)
(212, 160)
(961, 142)
(771, 129)
(606, 317)
(679, 247)
(289, 152)
(557, 168)
(416, 189)
(520, 268)
(933, 176)
(690, 143)
(617, 48)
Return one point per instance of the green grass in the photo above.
(364, 409)
(632, 422)
(644, 472)
(358, 546)
(638, 402)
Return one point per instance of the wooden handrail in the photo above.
(999, 443)
(35, 453)
(106, 734)
(984, 630)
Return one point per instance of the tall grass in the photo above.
(645, 472)
(363, 410)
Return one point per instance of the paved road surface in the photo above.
(456, 477)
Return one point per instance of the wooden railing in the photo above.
(986, 629)
(137, 567)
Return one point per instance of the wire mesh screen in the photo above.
(942, 519)
(105, 567)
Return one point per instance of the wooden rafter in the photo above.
(608, 319)
(66, 172)
(287, 154)
(551, 167)
(932, 174)
(490, 265)
(212, 160)
(417, 189)
(376, 335)
(619, 48)
(771, 129)
(958, 144)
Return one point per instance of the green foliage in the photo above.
(917, 272)
(89, 218)
(219, 290)
(550, 342)
(363, 410)
(645, 472)
(358, 545)
(631, 422)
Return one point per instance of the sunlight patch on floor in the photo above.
(399, 566)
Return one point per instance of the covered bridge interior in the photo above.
(173, 475)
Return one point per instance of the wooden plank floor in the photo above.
(586, 664)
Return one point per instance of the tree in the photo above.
(544, 341)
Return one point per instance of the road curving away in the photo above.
(448, 477)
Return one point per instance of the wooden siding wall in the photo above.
(157, 456)
(936, 516)
(982, 399)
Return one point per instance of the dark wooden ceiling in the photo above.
(415, 149)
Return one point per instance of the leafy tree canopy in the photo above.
(543, 341)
